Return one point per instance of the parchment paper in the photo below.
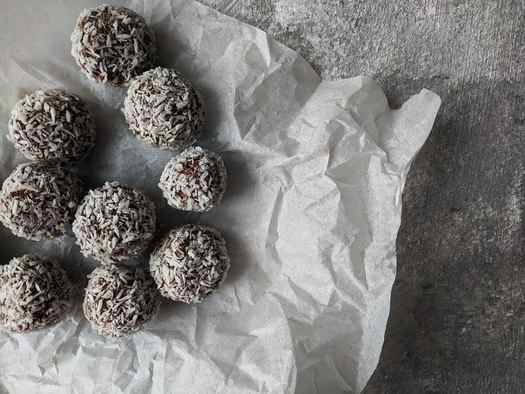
(311, 213)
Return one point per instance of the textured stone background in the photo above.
(457, 316)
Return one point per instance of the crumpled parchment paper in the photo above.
(311, 213)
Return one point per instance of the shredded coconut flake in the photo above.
(51, 125)
(34, 293)
(190, 263)
(162, 109)
(114, 223)
(112, 44)
(119, 300)
(38, 200)
(194, 181)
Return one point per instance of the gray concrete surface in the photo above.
(458, 313)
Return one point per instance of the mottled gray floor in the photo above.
(457, 318)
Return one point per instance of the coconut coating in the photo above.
(114, 223)
(195, 180)
(190, 263)
(112, 44)
(38, 200)
(51, 125)
(120, 300)
(163, 109)
(34, 293)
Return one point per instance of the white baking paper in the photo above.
(311, 213)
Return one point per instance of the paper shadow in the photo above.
(62, 249)
(241, 180)
(239, 257)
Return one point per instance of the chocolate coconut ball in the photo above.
(162, 109)
(119, 300)
(194, 181)
(190, 263)
(51, 125)
(112, 44)
(34, 293)
(114, 223)
(38, 200)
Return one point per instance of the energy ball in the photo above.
(119, 300)
(114, 223)
(51, 125)
(112, 44)
(38, 200)
(190, 263)
(34, 293)
(194, 181)
(163, 110)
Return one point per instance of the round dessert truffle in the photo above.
(190, 263)
(120, 300)
(114, 223)
(51, 125)
(34, 293)
(194, 181)
(38, 200)
(112, 44)
(162, 109)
